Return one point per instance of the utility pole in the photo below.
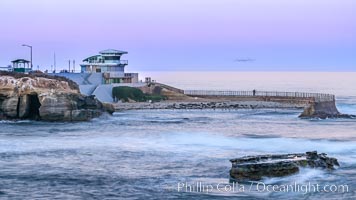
(69, 66)
(54, 61)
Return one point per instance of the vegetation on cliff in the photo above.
(125, 94)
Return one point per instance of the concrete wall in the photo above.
(87, 89)
(83, 78)
(104, 92)
(92, 84)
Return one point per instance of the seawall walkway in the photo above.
(317, 97)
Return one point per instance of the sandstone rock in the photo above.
(56, 107)
(46, 98)
(323, 110)
(24, 106)
(109, 108)
(256, 167)
(9, 106)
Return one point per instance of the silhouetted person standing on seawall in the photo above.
(254, 92)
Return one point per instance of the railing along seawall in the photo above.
(318, 97)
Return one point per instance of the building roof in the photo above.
(20, 61)
(91, 57)
(112, 51)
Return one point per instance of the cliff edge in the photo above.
(47, 98)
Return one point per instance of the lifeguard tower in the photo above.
(21, 65)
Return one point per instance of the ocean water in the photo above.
(163, 154)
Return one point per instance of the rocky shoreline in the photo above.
(198, 105)
(314, 105)
(51, 98)
(231, 105)
(324, 110)
(46, 98)
(310, 111)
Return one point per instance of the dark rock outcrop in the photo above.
(256, 167)
(47, 98)
(323, 110)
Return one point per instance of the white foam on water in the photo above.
(347, 108)
(304, 176)
(202, 144)
(260, 144)
(14, 122)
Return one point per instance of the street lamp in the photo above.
(25, 45)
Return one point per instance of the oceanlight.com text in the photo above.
(257, 186)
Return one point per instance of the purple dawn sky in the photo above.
(280, 35)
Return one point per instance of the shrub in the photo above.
(124, 93)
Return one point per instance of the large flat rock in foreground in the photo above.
(256, 167)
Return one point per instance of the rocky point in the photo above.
(257, 167)
(47, 98)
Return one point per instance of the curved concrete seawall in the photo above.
(316, 105)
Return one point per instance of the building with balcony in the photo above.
(109, 64)
(101, 72)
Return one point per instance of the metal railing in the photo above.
(318, 97)
(103, 62)
(6, 68)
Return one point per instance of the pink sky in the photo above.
(317, 35)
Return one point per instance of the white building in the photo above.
(109, 64)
